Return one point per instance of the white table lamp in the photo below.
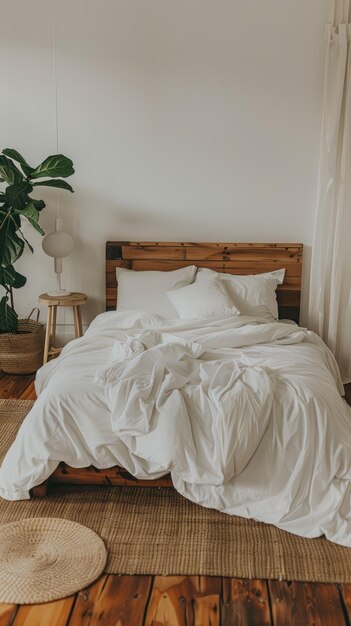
(58, 245)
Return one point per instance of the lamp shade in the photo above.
(58, 244)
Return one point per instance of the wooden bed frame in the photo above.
(232, 258)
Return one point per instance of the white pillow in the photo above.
(254, 294)
(146, 290)
(207, 297)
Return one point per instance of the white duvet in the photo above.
(246, 415)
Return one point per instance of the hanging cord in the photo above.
(56, 90)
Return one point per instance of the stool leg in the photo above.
(47, 335)
(76, 322)
(80, 326)
(53, 325)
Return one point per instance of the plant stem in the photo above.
(11, 297)
(5, 218)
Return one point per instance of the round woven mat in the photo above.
(43, 559)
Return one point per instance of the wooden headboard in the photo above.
(232, 258)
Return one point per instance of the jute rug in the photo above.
(156, 531)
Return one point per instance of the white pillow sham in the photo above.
(253, 294)
(207, 297)
(146, 290)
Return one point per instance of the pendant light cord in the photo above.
(56, 90)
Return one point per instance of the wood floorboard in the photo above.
(50, 614)
(14, 386)
(306, 604)
(345, 591)
(182, 600)
(113, 600)
(245, 603)
(7, 613)
(28, 393)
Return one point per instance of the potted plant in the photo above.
(21, 340)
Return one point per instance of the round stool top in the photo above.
(74, 299)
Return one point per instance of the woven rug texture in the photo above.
(156, 531)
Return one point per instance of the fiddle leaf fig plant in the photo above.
(16, 204)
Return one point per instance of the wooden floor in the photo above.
(182, 601)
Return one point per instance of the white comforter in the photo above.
(246, 415)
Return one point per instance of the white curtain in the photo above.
(330, 287)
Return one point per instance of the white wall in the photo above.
(186, 120)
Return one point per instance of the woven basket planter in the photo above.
(22, 352)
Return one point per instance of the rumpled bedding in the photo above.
(245, 414)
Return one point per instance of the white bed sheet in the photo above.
(246, 415)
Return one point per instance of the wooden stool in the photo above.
(75, 300)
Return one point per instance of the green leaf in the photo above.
(16, 220)
(11, 246)
(16, 156)
(26, 241)
(60, 184)
(20, 280)
(32, 215)
(17, 194)
(9, 172)
(8, 317)
(39, 204)
(54, 166)
(2, 198)
(9, 276)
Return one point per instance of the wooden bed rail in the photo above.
(114, 476)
